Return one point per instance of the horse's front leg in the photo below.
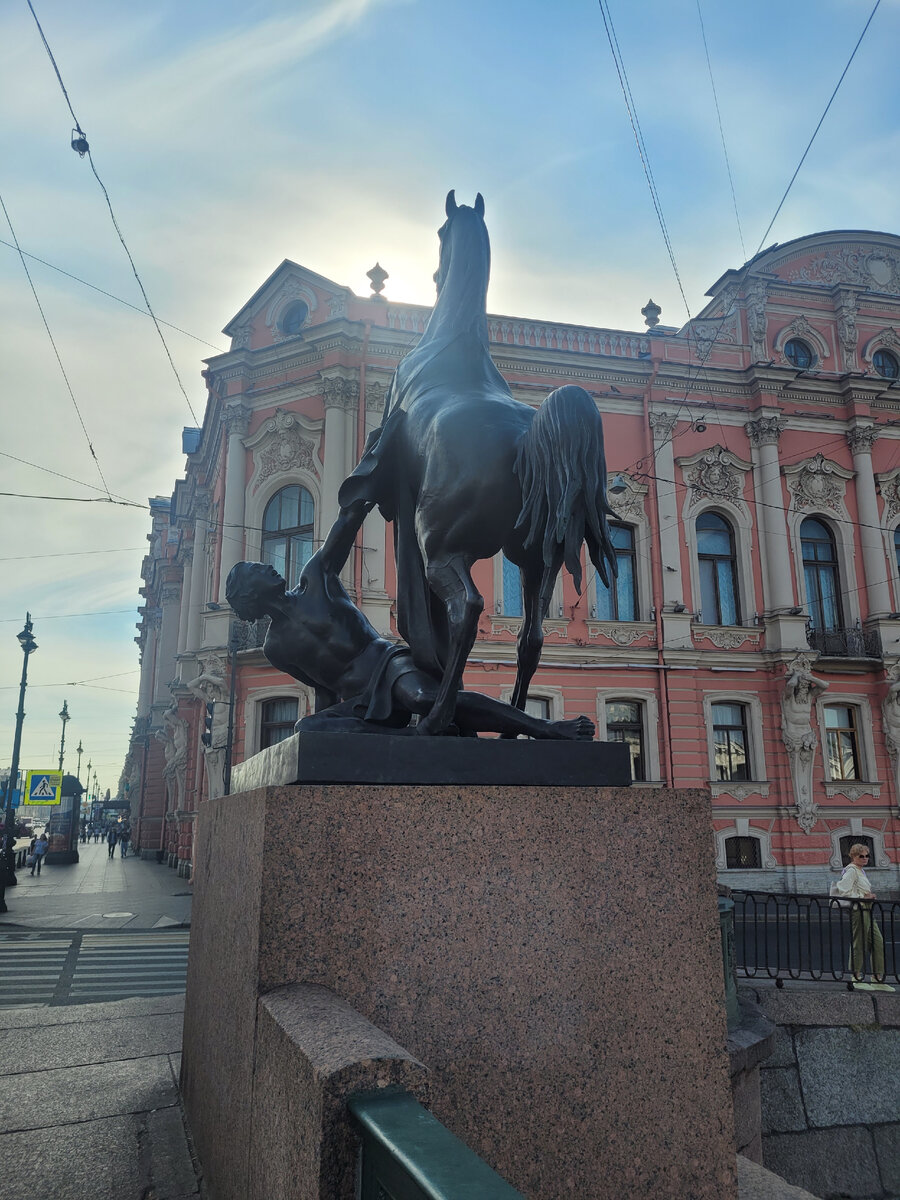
(451, 582)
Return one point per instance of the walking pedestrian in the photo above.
(865, 935)
(112, 837)
(41, 846)
(96, 834)
(124, 839)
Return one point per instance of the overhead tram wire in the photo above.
(702, 365)
(819, 125)
(37, 301)
(712, 84)
(639, 140)
(116, 226)
(118, 299)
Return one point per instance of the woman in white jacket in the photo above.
(865, 934)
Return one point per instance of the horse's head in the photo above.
(463, 233)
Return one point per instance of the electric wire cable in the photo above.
(112, 214)
(819, 125)
(639, 139)
(712, 84)
(37, 301)
(112, 296)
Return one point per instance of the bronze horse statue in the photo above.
(463, 470)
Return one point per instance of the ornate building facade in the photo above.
(751, 644)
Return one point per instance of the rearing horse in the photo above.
(464, 470)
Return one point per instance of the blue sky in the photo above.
(234, 135)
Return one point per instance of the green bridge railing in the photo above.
(407, 1154)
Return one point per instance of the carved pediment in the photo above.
(818, 483)
(285, 444)
(715, 474)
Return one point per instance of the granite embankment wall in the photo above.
(830, 1092)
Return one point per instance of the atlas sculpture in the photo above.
(462, 470)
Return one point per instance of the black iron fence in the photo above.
(854, 642)
(817, 938)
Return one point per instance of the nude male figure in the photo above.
(363, 682)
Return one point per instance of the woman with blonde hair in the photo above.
(865, 935)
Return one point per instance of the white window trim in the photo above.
(810, 335)
(855, 828)
(256, 506)
(842, 532)
(641, 532)
(741, 828)
(757, 785)
(867, 784)
(742, 531)
(555, 697)
(649, 716)
(253, 706)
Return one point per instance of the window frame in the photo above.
(289, 533)
(743, 728)
(267, 725)
(731, 559)
(741, 828)
(306, 704)
(758, 783)
(817, 563)
(613, 590)
(747, 838)
(639, 725)
(800, 341)
(649, 702)
(838, 738)
(868, 782)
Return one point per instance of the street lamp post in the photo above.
(79, 750)
(65, 718)
(8, 875)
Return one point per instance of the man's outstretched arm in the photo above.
(339, 542)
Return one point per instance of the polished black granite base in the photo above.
(389, 758)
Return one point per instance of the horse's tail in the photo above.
(562, 472)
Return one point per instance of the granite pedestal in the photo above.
(550, 955)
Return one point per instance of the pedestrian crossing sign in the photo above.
(43, 787)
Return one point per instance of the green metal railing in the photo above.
(407, 1154)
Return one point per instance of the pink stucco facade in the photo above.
(768, 426)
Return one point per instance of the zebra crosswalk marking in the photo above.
(86, 967)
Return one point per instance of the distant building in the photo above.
(755, 457)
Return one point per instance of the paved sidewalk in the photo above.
(89, 1103)
(99, 892)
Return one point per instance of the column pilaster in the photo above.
(237, 420)
(861, 438)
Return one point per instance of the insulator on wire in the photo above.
(79, 143)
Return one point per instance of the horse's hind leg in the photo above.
(537, 589)
(451, 582)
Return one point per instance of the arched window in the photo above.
(820, 572)
(619, 602)
(287, 540)
(512, 589)
(886, 364)
(718, 582)
(799, 354)
(277, 720)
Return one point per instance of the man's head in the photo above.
(251, 588)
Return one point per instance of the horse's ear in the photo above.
(450, 206)
(479, 204)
